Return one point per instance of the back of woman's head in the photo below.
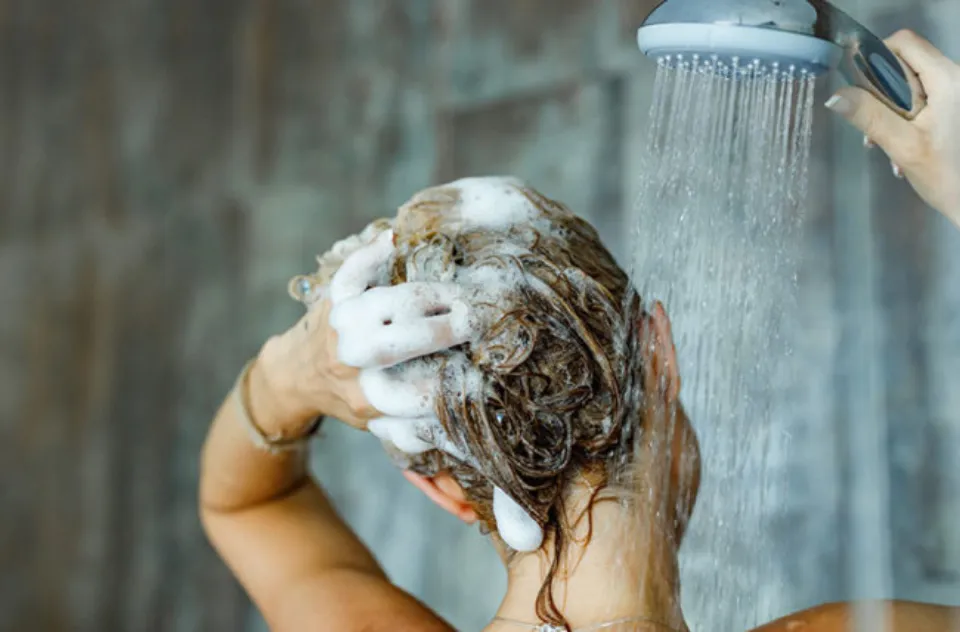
(539, 400)
(544, 395)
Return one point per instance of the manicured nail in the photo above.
(839, 105)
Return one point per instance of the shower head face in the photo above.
(740, 47)
(811, 36)
(788, 33)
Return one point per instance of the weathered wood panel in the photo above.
(497, 48)
(939, 334)
(165, 167)
(553, 139)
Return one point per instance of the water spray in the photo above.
(805, 36)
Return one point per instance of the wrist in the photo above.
(274, 405)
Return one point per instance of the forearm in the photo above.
(237, 474)
(269, 520)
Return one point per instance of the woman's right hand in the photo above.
(927, 149)
(361, 326)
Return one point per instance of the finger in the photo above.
(386, 326)
(415, 435)
(406, 390)
(363, 269)
(897, 136)
(390, 345)
(401, 432)
(867, 143)
(898, 170)
(304, 289)
(404, 303)
(924, 58)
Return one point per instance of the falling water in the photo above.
(716, 237)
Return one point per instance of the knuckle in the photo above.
(904, 36)
(344, 372)
(953, 81)
(359, 406)
(871, 120)
(913, 151)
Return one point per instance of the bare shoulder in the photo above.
(906, 616)
(352, 601)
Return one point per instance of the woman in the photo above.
(490, 342)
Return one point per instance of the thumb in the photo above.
(886, 128)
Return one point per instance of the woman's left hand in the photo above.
(927, 149)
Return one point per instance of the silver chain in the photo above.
(548, 627)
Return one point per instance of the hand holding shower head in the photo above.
(811, 36)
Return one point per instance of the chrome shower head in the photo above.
(811, 36)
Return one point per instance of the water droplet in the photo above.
(305, 287)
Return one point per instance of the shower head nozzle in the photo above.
(811, 36)
(735, 45)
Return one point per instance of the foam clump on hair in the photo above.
(493, 203)
(517, 529)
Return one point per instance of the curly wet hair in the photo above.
(555, 360)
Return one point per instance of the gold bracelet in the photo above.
(274, 444)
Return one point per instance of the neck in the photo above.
(627, 568)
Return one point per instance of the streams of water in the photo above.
(717, 240)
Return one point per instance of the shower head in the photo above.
(809, 36)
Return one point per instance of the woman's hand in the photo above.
(298, 376)
(331, 362)
(927, 149)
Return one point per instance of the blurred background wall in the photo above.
(168, 165)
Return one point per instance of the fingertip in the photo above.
(901, 35)
(362, 269)
(846, 101)
(909, 38)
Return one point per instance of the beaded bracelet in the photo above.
(274, 444)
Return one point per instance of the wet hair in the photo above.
(555, 360)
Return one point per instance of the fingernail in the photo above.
(839, 105)
(897, 170)
(869, 144)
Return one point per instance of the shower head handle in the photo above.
(869, 64)
(893, 82)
